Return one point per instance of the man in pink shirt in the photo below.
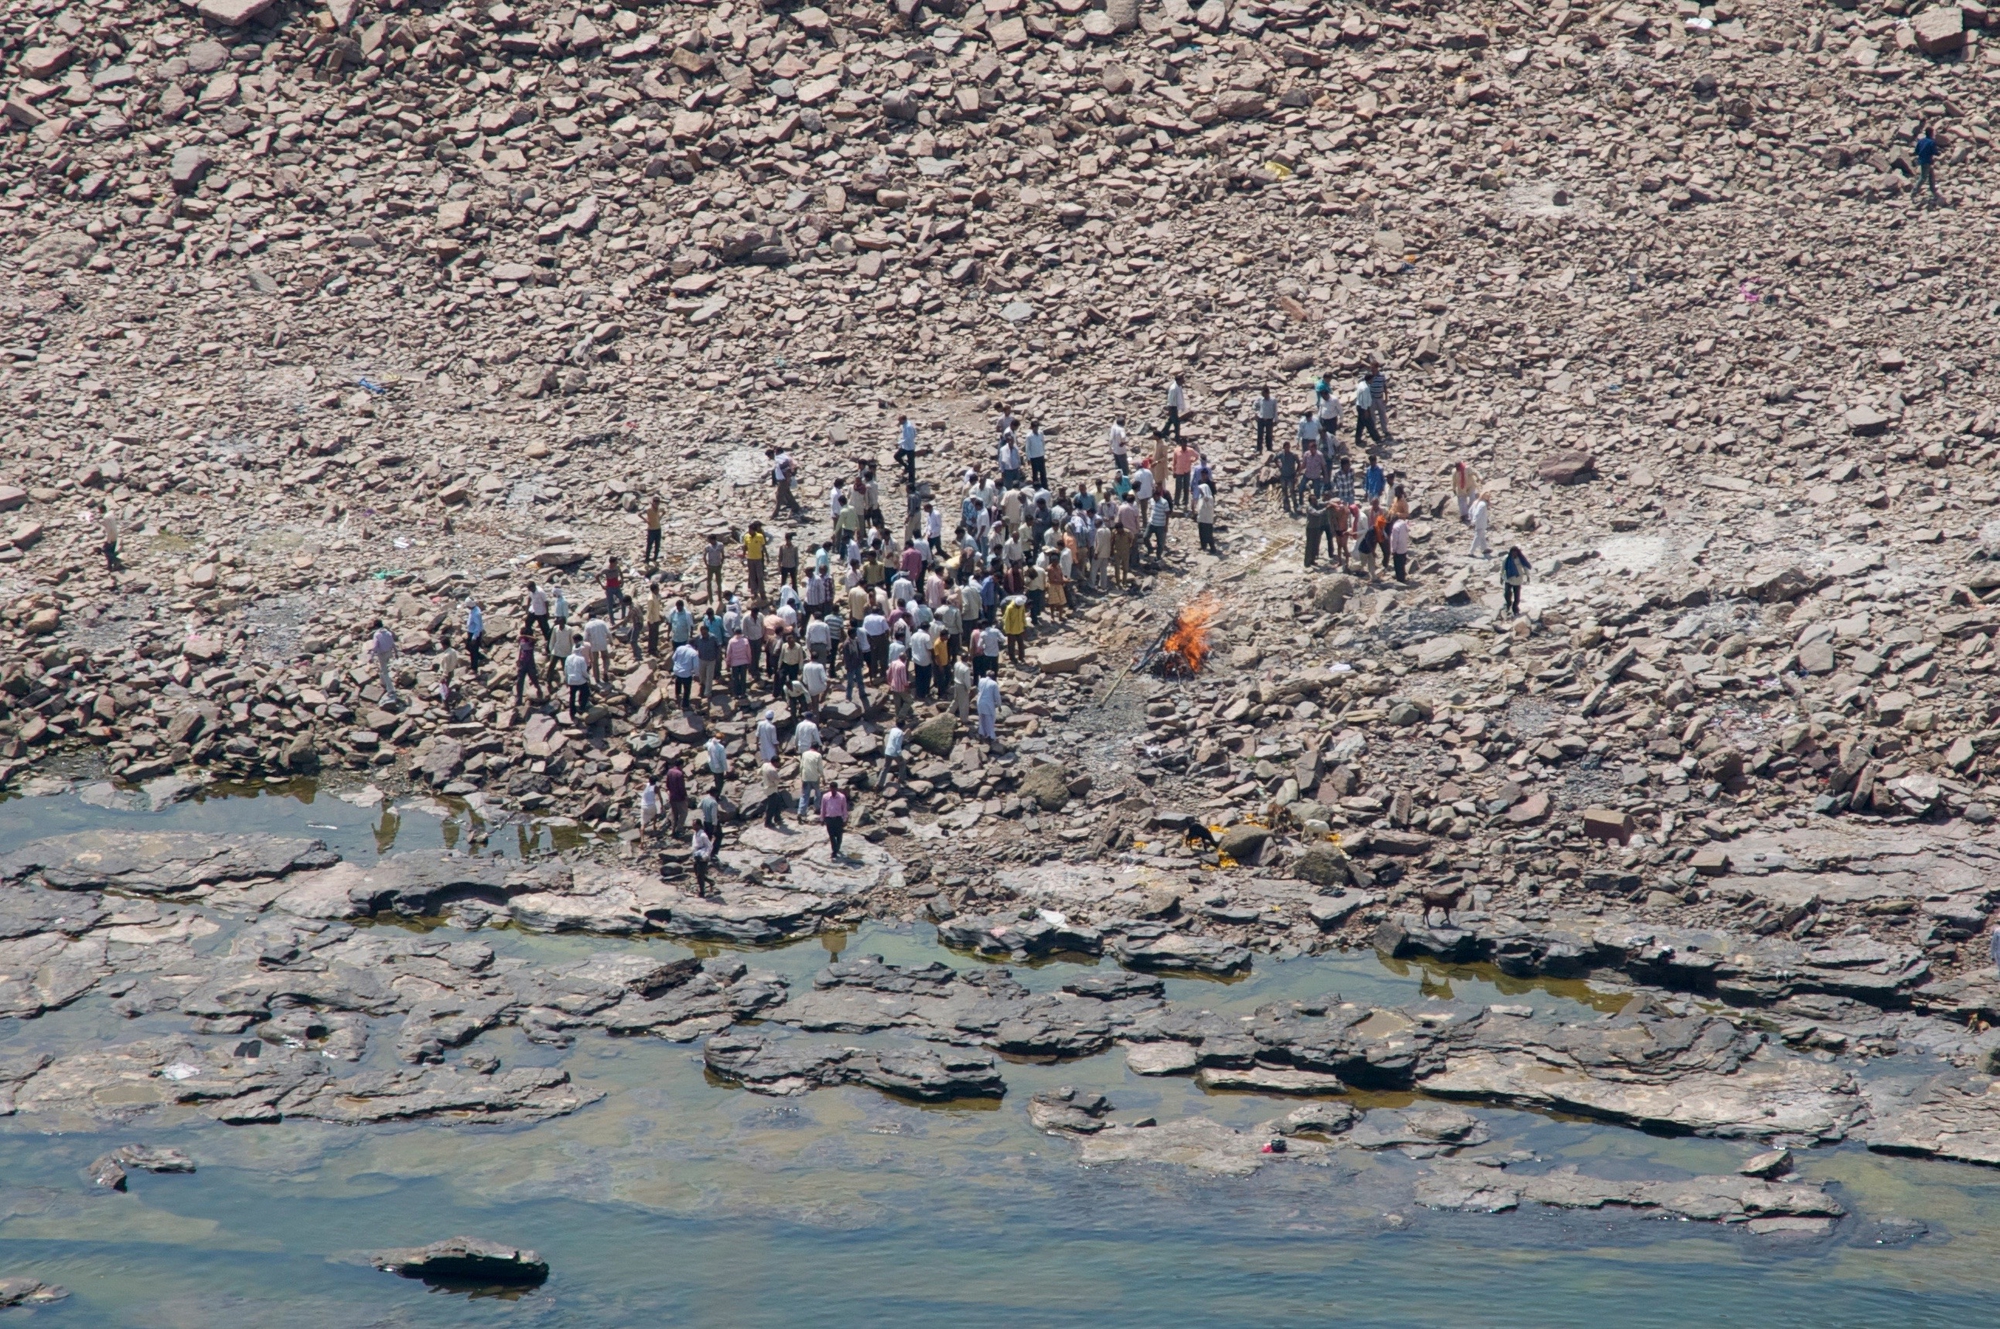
(833, 816)
(737, 657)
(1184, 459)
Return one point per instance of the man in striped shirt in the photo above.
(1343, 483)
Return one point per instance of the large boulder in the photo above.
(936, 735)
(1566, 468)
(1245, 842)
(1064, 659)
(1048, 785)
(1322, 865)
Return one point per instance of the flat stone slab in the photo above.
(159, 862)
(465, 1260)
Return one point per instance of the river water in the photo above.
(678, 1200)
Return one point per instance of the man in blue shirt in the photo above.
(1373, 481)
(1926, 150)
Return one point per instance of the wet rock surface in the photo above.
(30, 1292)
(467, 1261)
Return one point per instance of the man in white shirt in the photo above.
(561, 642)
(1267, 421)
(1120, 456)
(1176, 407)
(576, 672)
(805, 736)
(812, 674)
(920, 662)
(382, 646)
(1037, 453)
(1364, 413)
(598, 633)
(767, 738)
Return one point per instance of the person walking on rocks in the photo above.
(654, 517)
(788, 563)
(1340, 528)
(1364, 414)
(1157, 524)
(700, 852)
(1176, 408)
(854, 666)
(1926, 153)
(614, 588)
(1327, 413)
(1342, 482)
(597, 634)
(655, 614)
(1315, 476)
(576, 672)
(685, 663)
(677, 798)
(1480, 515)
(962, 676)
(1514, 572)
(755, 544)
(1378, 398)
(538, 609)
(711, 560)
(525, 673)
(1267, 420)
(737, 655)
(812, 772)
(708, 811)
(717, 756)
(1399, 546)
(1204, 517)
(989, 709)
(894, 764)
(1315, 530)
(475, 634)
(649, 810)
(833, 816)
(784, 473)
(1121, 456)
(774, 796)
(1183, 463)
(1014, 624)
(107, 536)
(708, 647)
(1464, 485)
(1287, 462)
(561, 642)
(382, 646)
(1036, 449)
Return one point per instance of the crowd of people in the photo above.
(928, 611)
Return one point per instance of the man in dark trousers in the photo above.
(1315, 528)
(1926, 152)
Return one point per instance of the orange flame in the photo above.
(1186, 645)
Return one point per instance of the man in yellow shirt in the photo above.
(754, 543)
(1014, 624)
